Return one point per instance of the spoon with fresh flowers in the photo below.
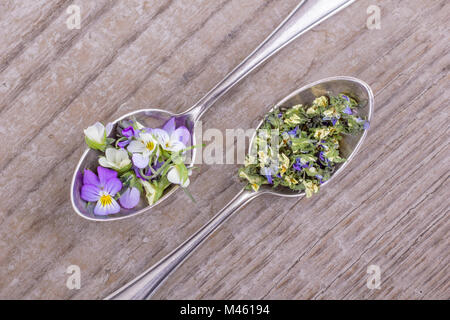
(137, 161)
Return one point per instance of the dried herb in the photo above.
(298, 147)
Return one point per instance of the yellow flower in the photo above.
(321, 133)
(284, 163)
(291, 180)
(331, 112)
(263, 158)
(293, 120)
(321, 101)
(312, 110)
(310, 188)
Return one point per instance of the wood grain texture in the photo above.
(390, 207)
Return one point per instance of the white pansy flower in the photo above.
(142, 148)
(95, 135)
(170, 142)
(174, 176)
(115, 159)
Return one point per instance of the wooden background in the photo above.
(390, 207)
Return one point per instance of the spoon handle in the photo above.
(143, 286)
(305, 16)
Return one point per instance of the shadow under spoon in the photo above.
(306, 15)
(148, 282)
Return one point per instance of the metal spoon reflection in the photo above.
(147, 283)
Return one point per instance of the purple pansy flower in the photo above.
(130, 198)
(101, 189)
(366, 124)
(293, 132)
(268, 174)
(181, 133)
(127, 133)
(299, 166)
(333, 121)
(348, 110)
(318, 176)
(321, 157)
(346, 98)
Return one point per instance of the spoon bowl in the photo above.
(152, 118)
(350, 144)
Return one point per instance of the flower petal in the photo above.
(105, 163)
(185, 184)
(105, 174)
(96, 132)
(130, 198)
(169, 126)
(108, 209)
(161, 136)
(348, 110)
(90, 193)
(181, 134)
(176, 146)
(108, 128)
(128, 132)
(140, 161)
(136, 147)
(123, 144)
(90, 178)
(173, 175)
(113, 186)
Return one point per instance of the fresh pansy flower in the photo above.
(142, 148)
(171, 138)
(177, 175)
(101, 189)
(115, 159)
(127, 134)
(152, 193)
(95, 135)
(130, 198)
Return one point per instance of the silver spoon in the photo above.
(147, 283)
(305, 16)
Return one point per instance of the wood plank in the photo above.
(389, 208)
